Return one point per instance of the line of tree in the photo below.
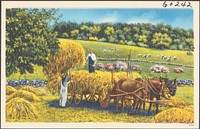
(158, 36)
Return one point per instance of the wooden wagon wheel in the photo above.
(74, 95)
(70, 94)
(91, 97)
(104, 100)
(77, 97)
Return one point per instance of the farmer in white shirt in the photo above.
(63, 90)
(91, 60)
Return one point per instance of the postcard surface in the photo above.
(89, 64)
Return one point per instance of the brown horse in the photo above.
(128, 88)
(168, 90)
(139, 90)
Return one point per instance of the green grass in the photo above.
(38, 74)
(122, 51)
(186, 93)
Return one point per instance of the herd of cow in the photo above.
(165, 57)
(122, 66)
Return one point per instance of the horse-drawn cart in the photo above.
(130, 92)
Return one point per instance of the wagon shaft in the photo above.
(124, 93)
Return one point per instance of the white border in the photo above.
(96, 4)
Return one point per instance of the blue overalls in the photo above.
(91, 63)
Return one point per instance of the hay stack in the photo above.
(10, 90)
(189, 108)
(174, 115)
(33, 90)
(18, 108)
(175, 102)
(24, 94)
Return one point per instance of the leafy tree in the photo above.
(123, 33)
(95, 30)
(29, 39)
(109, 31)
(143, 39)
(74, 33)
(161, 41)
(64, 35)
(190, 43)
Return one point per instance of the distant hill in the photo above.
(107, 50)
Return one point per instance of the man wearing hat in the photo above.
(91, 60)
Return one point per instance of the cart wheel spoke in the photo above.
(104, 100)
(70, 98)
(77, 98)
(87, 97)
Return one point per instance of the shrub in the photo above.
(130, 43)
(102, 40)
(18, 108)
(64, 35)
(10, 90)
(93, 38)
(32, 90)
(24, 94)
(174, 115)
(143, 45)
(189, 53)
(173, 47)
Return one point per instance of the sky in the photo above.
(182, 18)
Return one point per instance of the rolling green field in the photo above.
(122, 51)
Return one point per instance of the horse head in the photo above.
(172, 86)
(163, 88)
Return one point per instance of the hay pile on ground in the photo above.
(189, 108)
(174, 115)
(24, 94)
(175, 102)
(10, 90)
(33, 90)
(18, 108)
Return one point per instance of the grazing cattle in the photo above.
(174, 58)
(159, 69)
(110, 67)
(144, 56)
(168, 59)
(139, 55)
(178, 70)
(100, 65)
(104, 50)
(148, 55)
(136, 68)
(158, 56)
(121, 65)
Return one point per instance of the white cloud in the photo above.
(145, 18)
(108, 18)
